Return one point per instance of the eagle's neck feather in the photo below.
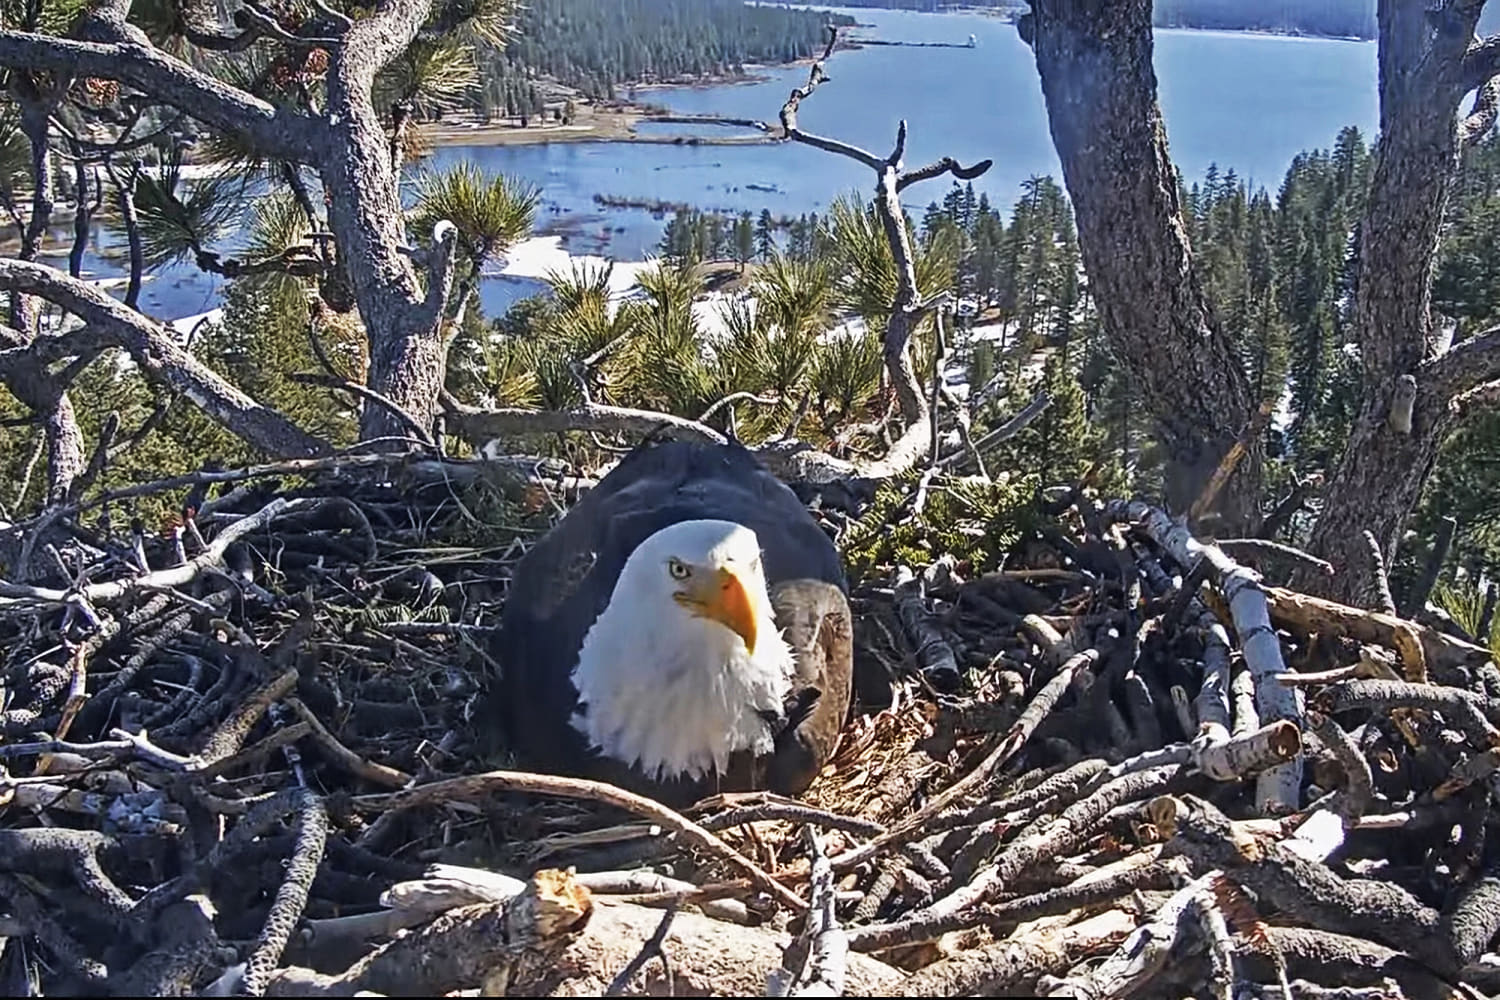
(677, 701)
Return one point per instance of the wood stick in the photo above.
(482, 785)
(1278, 788)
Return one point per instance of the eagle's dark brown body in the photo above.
(566, 580)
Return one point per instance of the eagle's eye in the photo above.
(678, 569)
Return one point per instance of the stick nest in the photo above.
(251, 748)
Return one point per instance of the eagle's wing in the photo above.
(818, 626)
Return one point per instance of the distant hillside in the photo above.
(596, 45)
(1342, 18)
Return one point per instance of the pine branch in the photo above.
(282, 132)
(1466, 364)
(1481, 63)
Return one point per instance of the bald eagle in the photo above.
(683, 630)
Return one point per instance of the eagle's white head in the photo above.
(678, 668)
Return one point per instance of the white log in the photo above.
(1278, 789)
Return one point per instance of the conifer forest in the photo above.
(1118, 560)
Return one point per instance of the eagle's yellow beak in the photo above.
(721, 596)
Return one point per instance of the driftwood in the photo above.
(253, 755)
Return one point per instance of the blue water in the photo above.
(1247, 102)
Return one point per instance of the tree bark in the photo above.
(1428, 62)
(401, 323)
(33, 384)
(346, 145)
(1094, 58)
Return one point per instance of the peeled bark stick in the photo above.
(1278, 788)
(1253, 753)
(1139, 958)
(480, 785)
(461, 948)
(972, 782)
(573, 943)
(1212, 704)
(828, 955)
(1421, 648)
(1214, 927)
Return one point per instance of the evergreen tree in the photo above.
(765, 235)
(744, 239)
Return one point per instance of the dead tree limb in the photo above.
(907, 308)
(162, 360)
(1441, 546)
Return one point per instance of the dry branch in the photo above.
(1279, 787)
(482, 785)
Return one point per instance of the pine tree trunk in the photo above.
(1094, 57)
(402, 326)
(1396, 436)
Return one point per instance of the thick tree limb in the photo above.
(152, 348)
(480, 426)
(1481, 63)
(1481, 117)
(1095, 62)
(1427, 63)
(1464, 366)
(283, 132)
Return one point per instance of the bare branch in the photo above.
(371, 43)
(479, 425)
(1004, 432)
(944, 166)
(335, 381)
(1464, 366)
(815, 78)
(1476, 400)
(1481, 117)
(1481, 63)
(153, 349)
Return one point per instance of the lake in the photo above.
(1243, 101)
